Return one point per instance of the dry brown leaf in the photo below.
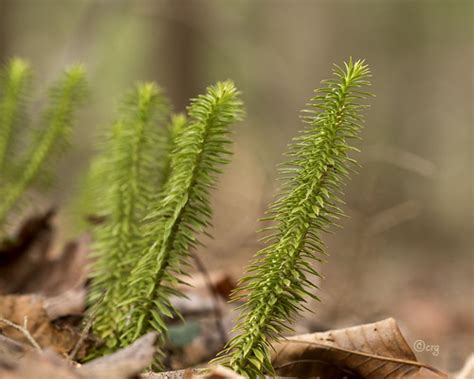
(47, 365)
(28, 232)
(70, 302)
(48, 335)
(20, 256)
(176, 374)
(219, 373)
(222, 282)
(67, 271)
(11, 349)
(467, 372)
(124, 363)
(27, 264)
(371, 351)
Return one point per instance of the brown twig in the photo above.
(24, 330)
(82, 337)
(87, 328)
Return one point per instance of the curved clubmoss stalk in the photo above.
(15, 81)
(90, 202)
(58, 121)
(127, 168)
(183, 209)
(277, 281)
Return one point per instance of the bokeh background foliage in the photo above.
(407, 249)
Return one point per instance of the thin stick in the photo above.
(87, 327)
(24, 330)
(82, 337)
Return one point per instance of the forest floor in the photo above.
(424, 305)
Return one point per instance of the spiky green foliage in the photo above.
(183, 210)
(176, 125)
(126, 175)
(15, 80)
(90, 202)
(277, 282)
(65, 96)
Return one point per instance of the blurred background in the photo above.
(406, 250)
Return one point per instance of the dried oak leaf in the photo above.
(21, 255)
(188, 373)
(371, 351)
(70, 302)
(15, 308)
(28, 265)
(11, 349)
(467, 372)
(221, 282)
(69, 270)
(219, 372)
(124, 364)
(47, 365)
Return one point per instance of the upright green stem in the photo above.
(59, 117)
(183, 209)
(126, 190)
(277, 283)
(15, 82)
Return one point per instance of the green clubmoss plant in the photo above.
(183, 209)
(175, 126)
(51, 137)
(277, 284)
(15, 83)
(125, 181)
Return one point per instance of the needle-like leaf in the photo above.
(277, 283)
(124, 187)
(65, 96)
(200, 148)
(15, 81)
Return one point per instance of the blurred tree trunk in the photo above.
(180, 42)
